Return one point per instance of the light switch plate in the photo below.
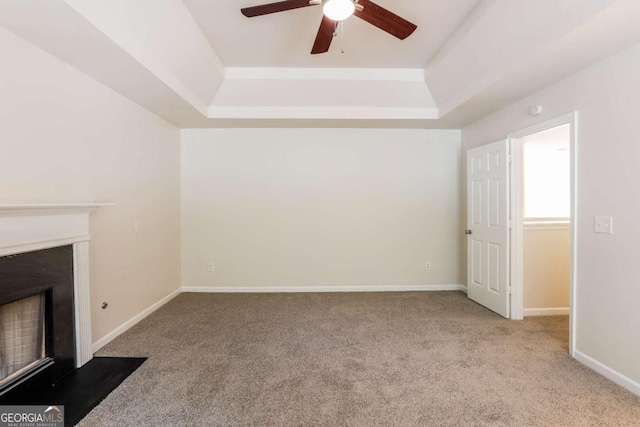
(603, 224)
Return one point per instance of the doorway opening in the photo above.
(546, 221)
(543, 212)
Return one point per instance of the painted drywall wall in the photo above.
(320, 207)
(67, 138)
(546, 267)
(605, 96)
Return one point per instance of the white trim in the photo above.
(607, 372)
(299, 289)
(555, 311)
(547, 225)
(321, 112)
(131, 322)
(375, 74)
(516, 253)
(517, 248)
(36, 246)
(82, 306)
(573, 281)
(49, 208)
(565, 219)
(30, 227)
(547, 124)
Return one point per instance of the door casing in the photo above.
(517, 213)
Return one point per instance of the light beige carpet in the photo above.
(361, 359)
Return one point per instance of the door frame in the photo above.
(517, 213)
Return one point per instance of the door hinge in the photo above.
(510, 290)
(510, 157)
(509, 224)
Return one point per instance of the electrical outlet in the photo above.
(211, 267)
(427, 265)
(136, 226)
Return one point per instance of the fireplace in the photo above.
(36, 304)
(44, 291)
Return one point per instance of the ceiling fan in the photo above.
(335, 11)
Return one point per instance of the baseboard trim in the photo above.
(607, 372)
(300, 289)
(555, 311)
(131, 322)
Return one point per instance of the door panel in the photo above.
(494, 203)
(487, 213)
(476, 269)
(477, 202)
(494, 267)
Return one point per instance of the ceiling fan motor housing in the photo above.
(338, 10)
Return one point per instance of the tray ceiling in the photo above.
(284, 39)
(201, 63)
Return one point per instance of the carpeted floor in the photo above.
(354, 359)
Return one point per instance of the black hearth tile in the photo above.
(80, 391)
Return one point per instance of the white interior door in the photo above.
(488, 226)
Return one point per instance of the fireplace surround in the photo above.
(55, 237)
(46, 273)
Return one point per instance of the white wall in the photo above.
(66, 138)
(606, 98)
(546, 267)
(320, 207)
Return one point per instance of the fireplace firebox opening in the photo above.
(36, 316)
(25, 345)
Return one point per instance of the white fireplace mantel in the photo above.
(32, 227)
(48, 208)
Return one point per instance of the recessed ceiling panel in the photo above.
(285, 39)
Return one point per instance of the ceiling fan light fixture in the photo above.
(338, 10)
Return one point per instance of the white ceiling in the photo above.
(285, 39)
(201, 63)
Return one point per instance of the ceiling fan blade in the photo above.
(325, 36)
(385, 20)
(280, 6)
